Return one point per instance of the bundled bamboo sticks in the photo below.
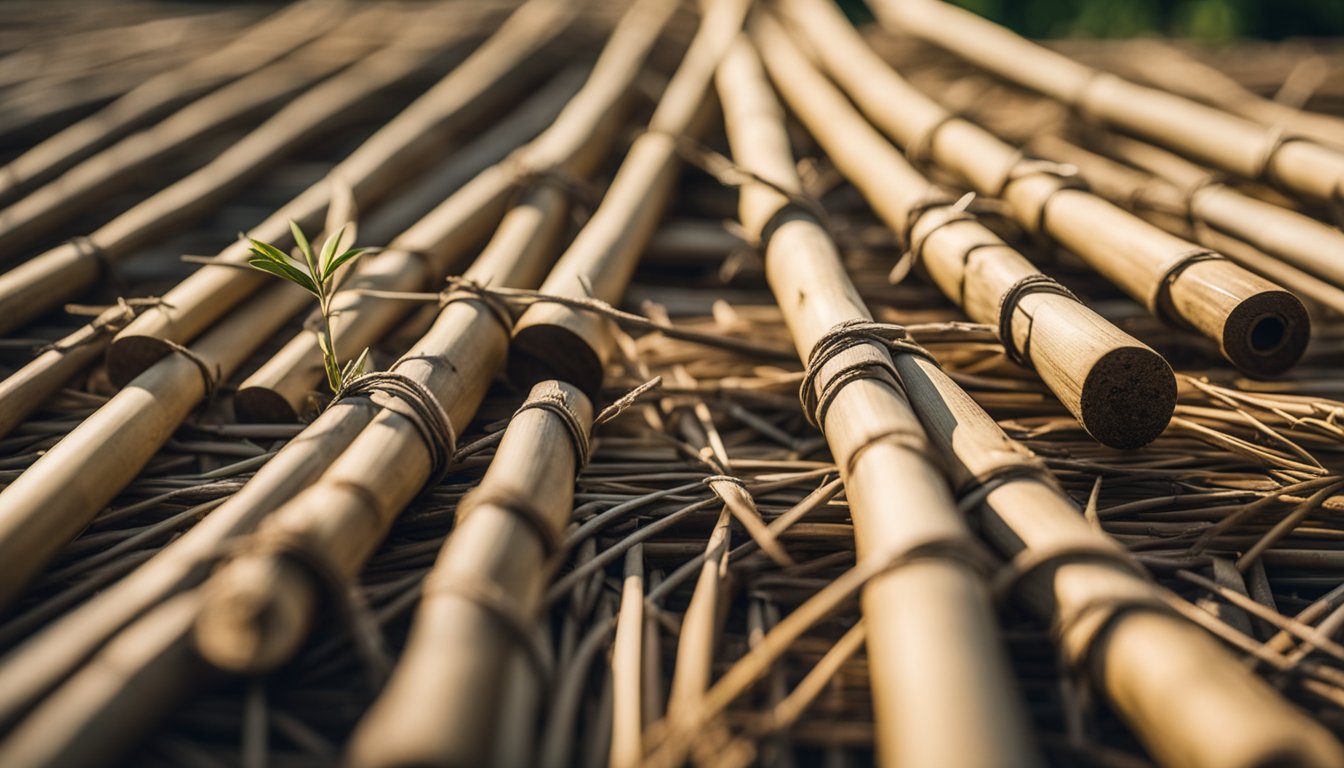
(1117, 387)
(1230, 143)
(1258, 326)
(941, 688)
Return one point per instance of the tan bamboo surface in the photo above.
(556, 341)
(900, 500)
(1116, 386)
(1168, 206)
(252, 49)
(489, 77)
(569, 149)
(442, 705)
(1257, 325)
(56, 206)
(1232, 512)
(1230, 143)
(61, 273)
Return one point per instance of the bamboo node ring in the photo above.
(1275, 140)
(849, 351)
(919, 152)
(1067, 176)
(976, 489)
(952, 211)
(85, 246)
(554, 401)
(1008, 305)
(1034, 559)
(414, 402)
(1160, 304)
(210, 374)
(490, 598)
(462, 289)
(517, 503)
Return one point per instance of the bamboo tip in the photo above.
(250, 623)
(1128, 397)
(263, 405)
(1267, 333)
(130, 356)
(546, 351)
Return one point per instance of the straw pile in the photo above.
(745, 388)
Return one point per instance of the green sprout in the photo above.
(317, 275)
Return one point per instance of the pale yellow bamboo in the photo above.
(1121, 391)
(942, 692)
(1232, 144)
(554, 341)
(490, 77)
(627, 661)
(1257, 325)
(442, 704)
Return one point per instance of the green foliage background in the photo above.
(1208, 19)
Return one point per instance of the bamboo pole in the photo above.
(1118, 388)
(63, 272)
(46, 280)
(252, 49)
(1297, 239)
(569, 149)
(442, 704)
(942, 692)
(56, 497)
(1189, 701)
(1232, 144)
(559, 342)
(284, 386)
(1167, 206)
(57, 205)
(1257, 325)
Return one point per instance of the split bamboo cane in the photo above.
(1168, 206)
(1189, 701)
(941, 688)
(487, 79)
(569, 149)
(442, 704)
(552, 341)
(56, 497)
(1232, 144)
(275, 36)
(32, 220)
(58, 274)
(1257, 325)
(1121, 391)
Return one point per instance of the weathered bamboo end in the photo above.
(941, 689)
(1118, 388)
(442, 704)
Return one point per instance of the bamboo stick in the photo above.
(555, 341)
(1257, 325)
(63, 272)
(1190, 702)
(1167, 206)
(252, 49)
(941, 688)
(34, 218)
(371, 171)
(1118, 388)
(1232, 144)
(283, 387)
(56, 497)
(442, 704)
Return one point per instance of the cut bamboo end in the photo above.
(1260, 328)
(263, 405)
(129, 356)
(1128, 397)
(555, 344)
(255, 616)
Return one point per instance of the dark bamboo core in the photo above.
(543, 351)
(1128, 397)
(130, 356)
(262, 405)
(1267, 333)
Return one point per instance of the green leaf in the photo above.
(340, 261)
(301, 240)
(268, 251)
(329, 361)
(286, 271)
(356, 367)
(329, 250)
